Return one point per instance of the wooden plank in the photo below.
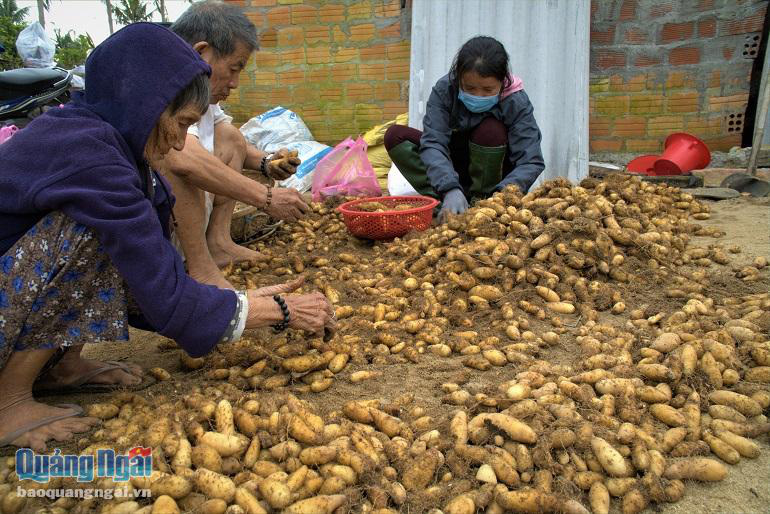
(242, 210)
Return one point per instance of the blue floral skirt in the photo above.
(58, 288)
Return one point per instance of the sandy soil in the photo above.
(746, 222)
(746, 490)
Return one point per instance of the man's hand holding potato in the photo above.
(283, 164)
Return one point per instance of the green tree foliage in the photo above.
(71, 48)
(9, 9)
(131, 11)
(9, 32)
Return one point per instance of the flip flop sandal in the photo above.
(8, 439)
(81, 385)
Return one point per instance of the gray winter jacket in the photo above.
(446, 114)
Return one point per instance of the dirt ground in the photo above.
(745, 221)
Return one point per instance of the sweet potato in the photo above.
(689, 359)
(164, 504)
(486, 474)
(742, 403)
(666, 342)
(318, 455)
(304, 363)
(515, 429)
(745, 447)
(561, 307)
(617, 487)
(527, 500)
(215, 485)
(306, 428)
(420, 471)
(758, 374)
(338, 362)
(696, 468)
(225, 445)
(224, 418)
(160, 374)
(487, 292)
(360, 376)
(174, 486)
(462, 504)
(722, 449)
(275, 492)
(633, 501)
(247, 501)
(183, 456)
(458, 428)
(104, 411)
(668, 415)
(599, 498)
(322, 504)
(547, 294)
(610, 459)
(204, 456)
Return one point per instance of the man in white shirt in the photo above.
(206, 176)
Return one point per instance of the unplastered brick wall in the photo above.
(657, 67)
(342, 65)
(663, 66)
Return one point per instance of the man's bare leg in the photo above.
(18, 408)
(230, 148)
(190, 213)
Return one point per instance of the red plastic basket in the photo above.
(388, 224)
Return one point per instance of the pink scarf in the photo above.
(516, 85)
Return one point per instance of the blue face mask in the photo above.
(477, 103)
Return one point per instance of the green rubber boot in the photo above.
(407, 159)
(485, 169)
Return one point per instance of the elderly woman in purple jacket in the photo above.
(479, 132)
(84, 238)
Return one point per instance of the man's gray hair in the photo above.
(219, 24)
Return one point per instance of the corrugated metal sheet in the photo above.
(547, 41)
(765, 78)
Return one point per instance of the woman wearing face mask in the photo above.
(479, 135)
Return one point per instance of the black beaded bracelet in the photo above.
(283, 325)
(263, 165)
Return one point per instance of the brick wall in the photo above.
(342, 65)
(657, 66)
(660, 66)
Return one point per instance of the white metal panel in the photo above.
(762, 82)
(547, 41)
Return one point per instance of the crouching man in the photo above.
(206, 176)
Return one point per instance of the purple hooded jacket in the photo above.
(85, 160)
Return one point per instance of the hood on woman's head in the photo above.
(134, 75)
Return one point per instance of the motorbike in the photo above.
(27, 92)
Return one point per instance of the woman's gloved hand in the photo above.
(454, 203)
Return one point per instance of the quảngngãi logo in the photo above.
(85, 468)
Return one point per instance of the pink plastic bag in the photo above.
(6, 132)
(345, 170)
